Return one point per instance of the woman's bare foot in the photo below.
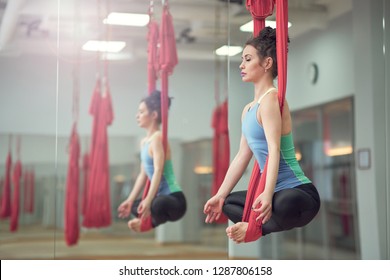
(135, 224)
(237, 232)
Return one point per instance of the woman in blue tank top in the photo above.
(165, 200)
(289, 199)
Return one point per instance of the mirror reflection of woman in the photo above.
(165, 200)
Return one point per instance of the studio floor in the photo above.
(35, 242)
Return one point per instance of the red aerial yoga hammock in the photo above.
(98, 206)
(261, 9)
(85, 182)
(5, 210)
(1, 189)
(221, 149)
(72, 227)
(153, 65)
(71, 223)
(167, 61)
(17, 174)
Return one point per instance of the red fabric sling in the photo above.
(5, 210)
(260, 9)
(221, 149)
(153, 65)
(86, 164)
(17, 174)
(98, 208)
(72, 227)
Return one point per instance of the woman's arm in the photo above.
(213, 207)
(238, 165)
(272, 122)
(124, 208)
(236, 168)
(138, 185)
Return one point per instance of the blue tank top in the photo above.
(168, 182)
(290, 173)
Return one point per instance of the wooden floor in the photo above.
(35, 242)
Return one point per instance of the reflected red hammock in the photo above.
(17, 174)
(5, 210)
(85, 182)
(153, 65)
(221, 150)
(260, 10)
(167, 61)
(98, 206)
(72, 227)
(1, 188)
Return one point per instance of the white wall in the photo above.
(28, 97)
(332, 50)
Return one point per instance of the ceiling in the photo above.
(32, 27)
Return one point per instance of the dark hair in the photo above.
(265, 44)
(153, 103)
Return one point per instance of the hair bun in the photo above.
(268, 33)
(155, 96)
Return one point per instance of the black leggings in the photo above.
(291, 208)
(165, 208)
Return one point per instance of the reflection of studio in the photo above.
(121, 121)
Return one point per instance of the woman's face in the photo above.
(250, 66)
(144, 117)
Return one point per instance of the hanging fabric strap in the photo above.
(153, 36)
(5, 206)
(260, 10)
(16, 175)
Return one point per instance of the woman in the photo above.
(165, 200)
(289, 199)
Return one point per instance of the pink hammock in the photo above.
(17, 174)
(153, 65)
(85, 182)
(72, 226)
(5, 210)
(260, 9)
(221, 150)
(98, 206)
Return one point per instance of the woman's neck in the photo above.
(261, 88)
(151, 130)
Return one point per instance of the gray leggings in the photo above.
(291, 208)
(165, 208)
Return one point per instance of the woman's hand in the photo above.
(263, 205)
(144, 208)
(213, 208)
(124, 208)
